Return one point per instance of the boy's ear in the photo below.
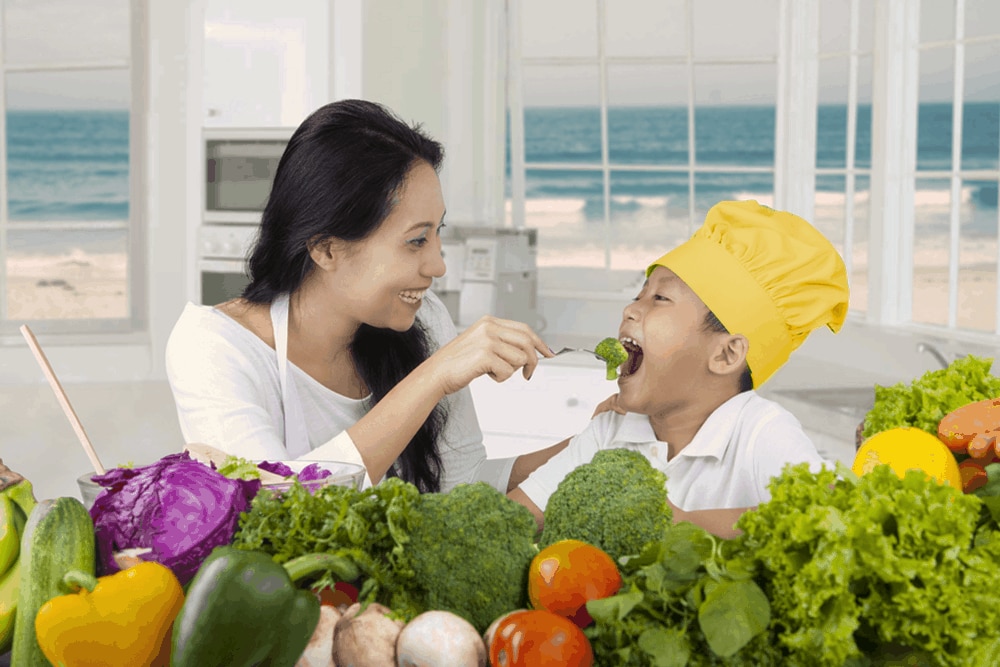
(730, 355)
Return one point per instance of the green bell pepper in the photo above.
(243, 610)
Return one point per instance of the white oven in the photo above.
(222, 254)
(239, 168)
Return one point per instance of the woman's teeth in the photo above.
(411, 296)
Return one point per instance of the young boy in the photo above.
(716, 317)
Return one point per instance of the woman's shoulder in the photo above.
(216, 333)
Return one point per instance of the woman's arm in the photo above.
(491, 346)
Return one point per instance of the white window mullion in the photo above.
(602, 78)
(852, 133)
(795, 121)
(4, 213)
(689, 22)
(954, 221)
(515, 104)
(894, 132)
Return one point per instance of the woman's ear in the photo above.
(322, 252)
(730, 356)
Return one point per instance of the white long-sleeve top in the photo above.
(226, 387)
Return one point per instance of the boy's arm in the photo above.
(521, 497)
(525, 464)
(719, 522)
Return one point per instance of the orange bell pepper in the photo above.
(121, 619)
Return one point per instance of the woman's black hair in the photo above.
(713, 324)
(338, 178)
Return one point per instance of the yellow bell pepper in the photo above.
(121, 619)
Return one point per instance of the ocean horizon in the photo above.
(73, 166)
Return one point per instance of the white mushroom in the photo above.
(319, 650)
(366, 639)
(440, 639)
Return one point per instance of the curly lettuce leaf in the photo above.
(926, 400)
(850, 566)
(235, 467)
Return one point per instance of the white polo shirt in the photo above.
(743, 444)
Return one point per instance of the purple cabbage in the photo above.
(178, 507)
(310, 473)
(277, 467)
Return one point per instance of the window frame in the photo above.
(892, 173)
(134, 326)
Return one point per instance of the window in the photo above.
(955, 215)
(69, 213)
(630, 119)
(843, 136)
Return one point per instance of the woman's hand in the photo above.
(491, 346)
(609, 403)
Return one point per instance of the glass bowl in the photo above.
(341, 474)
(89, 489)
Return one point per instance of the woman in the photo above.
(336, 349)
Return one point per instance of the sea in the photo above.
(73, 165)
(742, 136)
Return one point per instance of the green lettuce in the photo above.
(852, 566)
(926, 400)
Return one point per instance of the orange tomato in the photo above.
(564, 575)
(539, 638)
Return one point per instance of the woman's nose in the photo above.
(435, 266)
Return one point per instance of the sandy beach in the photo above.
(68, 286)
(92, 285)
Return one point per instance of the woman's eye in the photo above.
(418, 242)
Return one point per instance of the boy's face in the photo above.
(663, 330)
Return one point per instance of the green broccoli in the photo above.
(617, 501)
(466, 551)
(469, 551)
(613, 353)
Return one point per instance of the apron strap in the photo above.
(296, 440)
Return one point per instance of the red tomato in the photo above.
(341, 593)
(564, 575)
(539, 638)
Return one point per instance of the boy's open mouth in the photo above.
(634, 356)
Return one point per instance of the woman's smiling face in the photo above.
(382, 279)
(663, 328)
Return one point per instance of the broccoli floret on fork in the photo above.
(614, 355)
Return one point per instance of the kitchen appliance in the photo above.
(222, 252)
(239, 169)
(490, 271)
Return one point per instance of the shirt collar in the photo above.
(714, 436)
(712, 439)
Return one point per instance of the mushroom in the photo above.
(366, 638)
(319, 650)
(440, 639)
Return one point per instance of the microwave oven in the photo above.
(239, 168)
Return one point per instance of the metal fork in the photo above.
(578, 349)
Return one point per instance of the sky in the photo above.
(61, 31)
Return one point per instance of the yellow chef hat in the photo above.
(766, 274)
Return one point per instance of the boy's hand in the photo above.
(610, 403)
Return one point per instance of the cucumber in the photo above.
(58, 537)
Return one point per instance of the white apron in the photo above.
(296, 438)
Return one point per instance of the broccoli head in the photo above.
(469, 550)
(613, 353)
(617, 501)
